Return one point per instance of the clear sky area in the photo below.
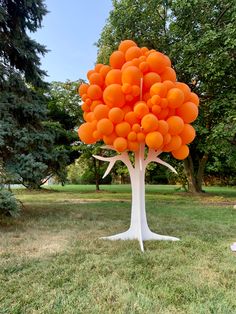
(69, 31)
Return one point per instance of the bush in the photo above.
(9, 205)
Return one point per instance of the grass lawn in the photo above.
(52, 260)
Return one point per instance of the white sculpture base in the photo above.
(138, 227)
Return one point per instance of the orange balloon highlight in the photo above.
(188, 134)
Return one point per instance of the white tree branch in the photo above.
(124, 157)
(152, 156)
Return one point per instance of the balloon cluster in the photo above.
(136, 99)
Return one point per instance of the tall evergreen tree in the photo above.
(22, 103)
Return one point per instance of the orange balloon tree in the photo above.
(133, 103)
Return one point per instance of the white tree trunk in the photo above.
(138, 226)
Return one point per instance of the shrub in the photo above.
(9, 205)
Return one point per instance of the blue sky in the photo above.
(69, 31)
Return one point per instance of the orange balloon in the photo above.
(149, 79)
(104, 70)
(83, 89)
(156, 109)
(163, 114)
(141, 109)
(168, 74)
(105, 126)
(126, 109)
(85, 133)
(144, 50)
(94, 92)
(169, 84)
(126, 44)
(135, 90)
(173, 144)
(131, 75)
(89, 117)
(176, 125)
(158, 89)
(156, 100)
(98, 66)
(90, 72)
(194, 98)
(136, 128)
(188, 134)
(163, 127)
(126, 88)
(132, 52)
(132, 136)
(149, 123)
(166, 139)
(97, 79)
(140, 137)
(185, 89)
(133, 146)
(143, 66)
(175, 97)
(123, 129)
(113, 96)
(109, 139)
(101, 111)
(146, 96)
(157, 62)
(136, 62)
(154, 140)
(131, 118)
(97, 135)
(94, 104)
(188, 112)
(117, 59)
(126, 65)
(85, 107)
(120, 144)
(181, 153)
(116, 115)
(113, 77)
(164, 103)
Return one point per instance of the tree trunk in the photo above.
(195, 179)
(96, 174)
(200, 172)
(138, 225)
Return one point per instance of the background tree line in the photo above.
(38, 120)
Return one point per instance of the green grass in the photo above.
(52, 260)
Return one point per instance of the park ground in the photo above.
(52, 260)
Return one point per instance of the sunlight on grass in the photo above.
(52, 260)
